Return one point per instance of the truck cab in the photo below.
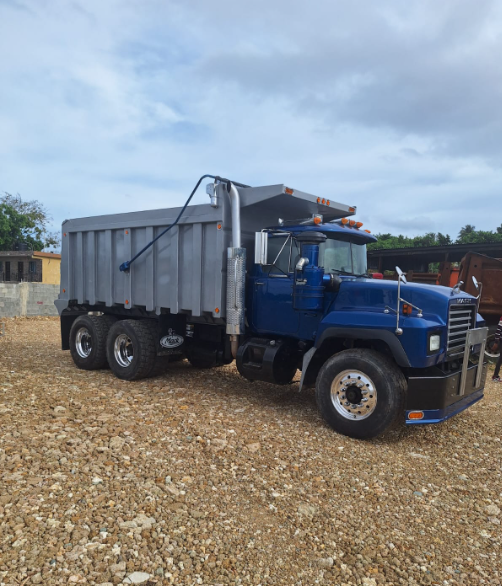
(310, 296)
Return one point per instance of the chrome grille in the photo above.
(460, 320)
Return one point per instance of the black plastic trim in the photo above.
(368, 334)
(439, 390)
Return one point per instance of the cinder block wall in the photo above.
(25, 299)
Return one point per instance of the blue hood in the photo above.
(361, 303)
(372, 295)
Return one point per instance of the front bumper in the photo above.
(438, 396)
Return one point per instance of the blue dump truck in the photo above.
(275, 279)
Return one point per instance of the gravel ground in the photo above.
(199, 477)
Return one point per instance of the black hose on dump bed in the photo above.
(126, 265)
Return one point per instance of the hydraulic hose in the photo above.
(127, 264)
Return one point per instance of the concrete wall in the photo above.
(25, 299)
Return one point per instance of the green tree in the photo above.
(467, 235)
(465, 232)
(443, 240)
(25, 221)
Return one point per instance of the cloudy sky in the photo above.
(119, 105)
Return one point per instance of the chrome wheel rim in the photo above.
(123, 350)
(353, 395)
(83, 343)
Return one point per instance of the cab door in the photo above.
(273, 311)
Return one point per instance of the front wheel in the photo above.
(360, 393)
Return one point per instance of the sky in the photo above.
(392, 106)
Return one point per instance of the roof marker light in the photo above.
(359, 224)
(352, 223)
(317, 220)
(369, 231)
(344, 221)
(327, 202)
(288, 190)
(318, 200)
(353, 210)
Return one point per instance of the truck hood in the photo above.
(374, 295)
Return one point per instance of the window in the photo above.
(344, 257)
(32, 266)
(1, 266)
(282, 251)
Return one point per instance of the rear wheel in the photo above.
(88, 341)
(131, 349)
(360, 393)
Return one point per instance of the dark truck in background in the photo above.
(275, 279)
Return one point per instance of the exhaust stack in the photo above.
(236, 274)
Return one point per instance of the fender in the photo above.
(368, 334)
(356, 334)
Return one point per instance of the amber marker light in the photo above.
(219, 226)
(288, 190)
(327, 203)
(352, 223)
(369, 232)
(318, 200)
(127, 301)
(359, 224)
(416, 415)
(407, 309)
(344, 221)
(352, 210)
(217, 310)
(317, 220)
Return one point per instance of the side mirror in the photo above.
(475, 281)
(261, 248)
(401, 275)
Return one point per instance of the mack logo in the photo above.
(172, 340)
(465, 300)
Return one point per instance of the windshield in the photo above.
(334, 255)
(344, 257)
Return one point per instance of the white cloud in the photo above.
(115, 106)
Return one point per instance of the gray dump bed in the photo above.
(185, 270)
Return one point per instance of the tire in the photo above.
(491, 356)
(131, 349)
(375, 399)
(88, 341)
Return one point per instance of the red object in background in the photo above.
(377, 275)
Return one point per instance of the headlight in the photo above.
(434, 343)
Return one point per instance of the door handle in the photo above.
(259, 284)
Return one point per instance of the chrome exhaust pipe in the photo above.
(236, 274)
